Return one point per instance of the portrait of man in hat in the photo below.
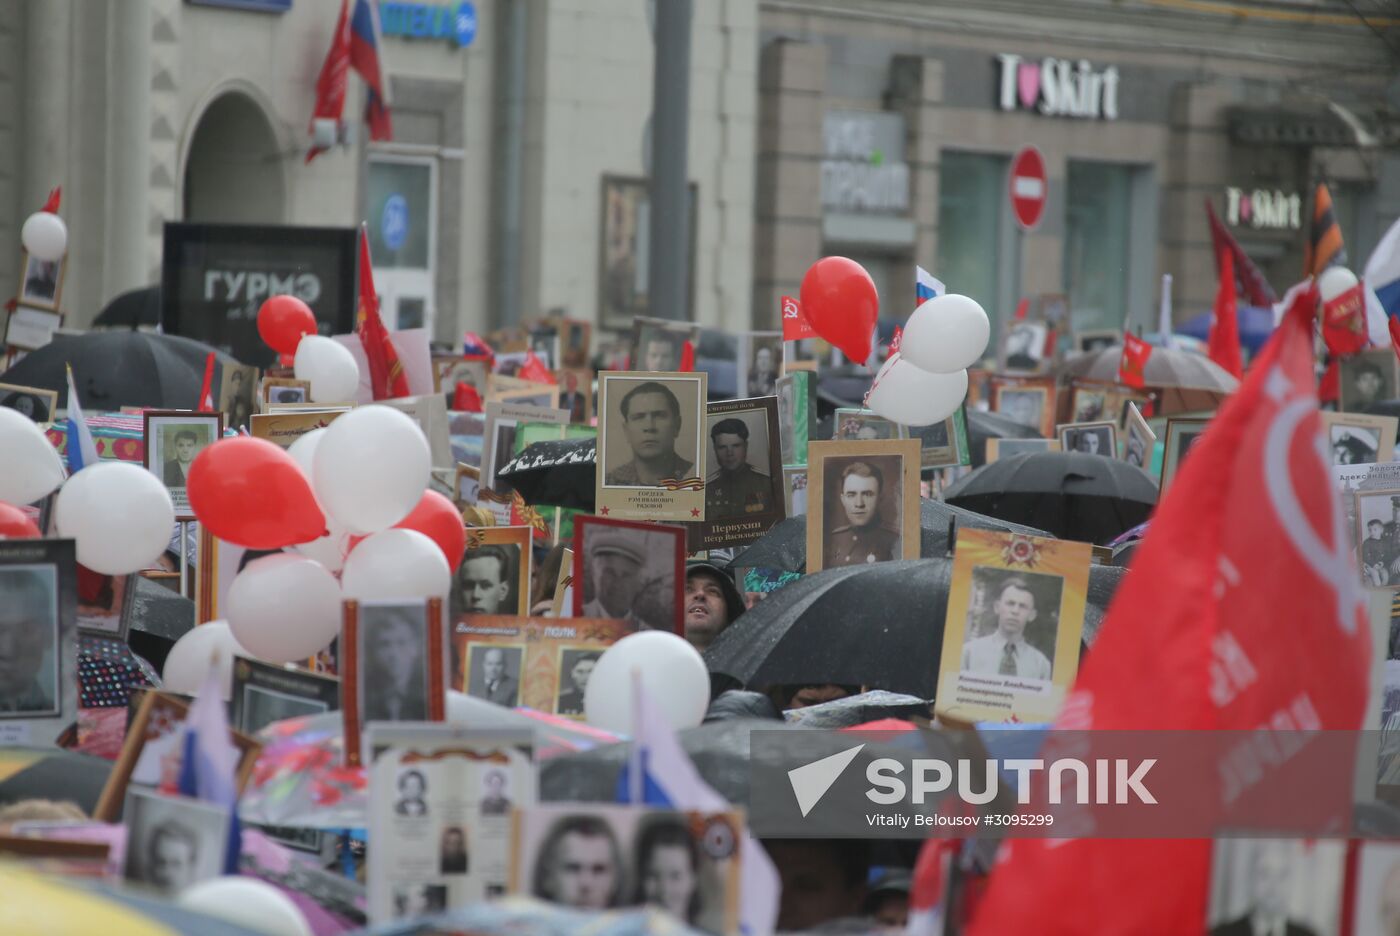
(614, 561)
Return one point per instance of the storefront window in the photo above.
(1096, 269)
(971, 200)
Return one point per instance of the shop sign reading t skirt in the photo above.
(1058, 87)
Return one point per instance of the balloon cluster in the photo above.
(289, 328)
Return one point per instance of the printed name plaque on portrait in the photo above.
(39, 626)
(1011, 636)
(440, 802)
(543, 663)
(685, 863)
(651, 445)
(744, 491)
(393, 666)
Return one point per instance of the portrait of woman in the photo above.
(668, 869)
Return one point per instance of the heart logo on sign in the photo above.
(1028, 83)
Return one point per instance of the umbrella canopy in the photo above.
(119, 368)
(1167, 367)
(52, 773)
(1089, 498)
(982, 425)
(785, 546)
(857, 710)
(106, 668)
(803, 633)
(132, 308)
(555, 473)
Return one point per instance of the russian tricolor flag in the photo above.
(209, 767)
(1382, 276)
(82, 450)
(364, 58)
(927, 286)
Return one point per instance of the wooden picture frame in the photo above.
(579, 403)
(269, 384)
(351, 675)
(467, 478)
(882, 456)
(38, 289)
(516, 540)
(123, 600)
(1181, 434)
(161, 708)
(1103, 433)
(1138, 438)
(1008, 448)
(1005, 388)
(44, 406)
(1350, 435)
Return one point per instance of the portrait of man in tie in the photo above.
(1012, 629)
(495, 673)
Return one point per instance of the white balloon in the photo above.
(120, 514)
(671, 671)
(371, 468)
(246, 902)
(189, 659)
(329, 550)
(396, 564)
(29, 464)
(1334, 281)
(284, 607)
(329, 367)
(945, 335)
(911, 396)
(45, 236)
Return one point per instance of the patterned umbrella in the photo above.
(106, 668)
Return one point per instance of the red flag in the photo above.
(466, 398)
(206, 393)
(1250, 534)
(1249, 278)
(1224, 342)
(795, 324)
(331, 83)
(687, 356)
(1132, 365)
(51, 203)
(1344, 322)
(534, 369)
(928, 895)
(386, 377)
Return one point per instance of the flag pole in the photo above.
(635, 782)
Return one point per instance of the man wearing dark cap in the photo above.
(651, 417)
(712, 602)
(862, 539)
(737, 489)
(614, 564)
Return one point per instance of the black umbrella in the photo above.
(982, 425)
(878, 625)
(119, 368)
(159, 617)
(785, 546)
(53, 774)
(132, 308)
(1089, 498)
(861, 708)
(555, 473)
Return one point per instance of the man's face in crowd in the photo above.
(705, 611)
(21, 641)
(731, 450)
(615, 580)
(651, 426)
(1014, 610)
(814, 889)
(657, 356)
(172, 862)
(493, 665)
(581, 672)
(396, 650)
(482, 584)
(184, 449)
(860, 497)
(584, 873)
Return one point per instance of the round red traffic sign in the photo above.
(1028, 187)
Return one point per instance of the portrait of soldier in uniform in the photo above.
(737, 488)
(858, 533)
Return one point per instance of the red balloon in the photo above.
(251, 493)
(15, 523)
(283, 320)
(840, 302)
(437, 518)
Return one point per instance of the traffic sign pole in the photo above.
(1027, 187)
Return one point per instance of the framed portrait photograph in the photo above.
(544, 341)
(1138, 439)
(441, 798)
(1378, 537)
(797, 415)
(494, 671)
(658, 345)
(1291, 885)
(1023, 346)
(863, 502)
(174, 842)
(393, 665)
(283, 390)
(1368, 378)
(633, 850)
(32, 402)
(1014, 621)
(1376, 911)
(42, 284)
(1181, 434)
(498, 445)
(451, 371)
(651, 445)
(795, 490)
(527, 669)
(466, 485)
(760, 363)
(284, 428)
(1089, 438)
(536, 394)
(1097, 339)
(1360, 439)
(623, 251)
(28, 329)
(576, 393)
(173, 440)
(238, 394)
(575, 667)
(153, 751)
(575, 339)
(105, 604)
(1008, 448)
(494, 575)
(744, 491)
(38, 623)
(859, 425)
(1088, 404)
(1028, 402)
(632, 572)
(939, 443)
(264, 693)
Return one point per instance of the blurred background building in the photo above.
(515, 185)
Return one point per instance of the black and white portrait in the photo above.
(493, 672)
(1353, 445)
(1367, 378)
(1275, 886)
(452, 851)
(29, 402)
(1089, 404)
(487, 581)
(580, 864)
(416, 900)
(575, 669)
(863, 499)
(1025, 405)
(1090, 439)
(495, 792)
(760, 363)
(173, 442)
(287, 395)
(1012, 623)
(236, 395)
(628, 573)
(393, 662)
(659, 346)
(651, 430)
(42, 281)
(740, 483)
(1377, 907)
(261, 707)
(173, 842)
(1023, 346)
(862, 426)
(1378, 538)
(411, 791)
(29, 641)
